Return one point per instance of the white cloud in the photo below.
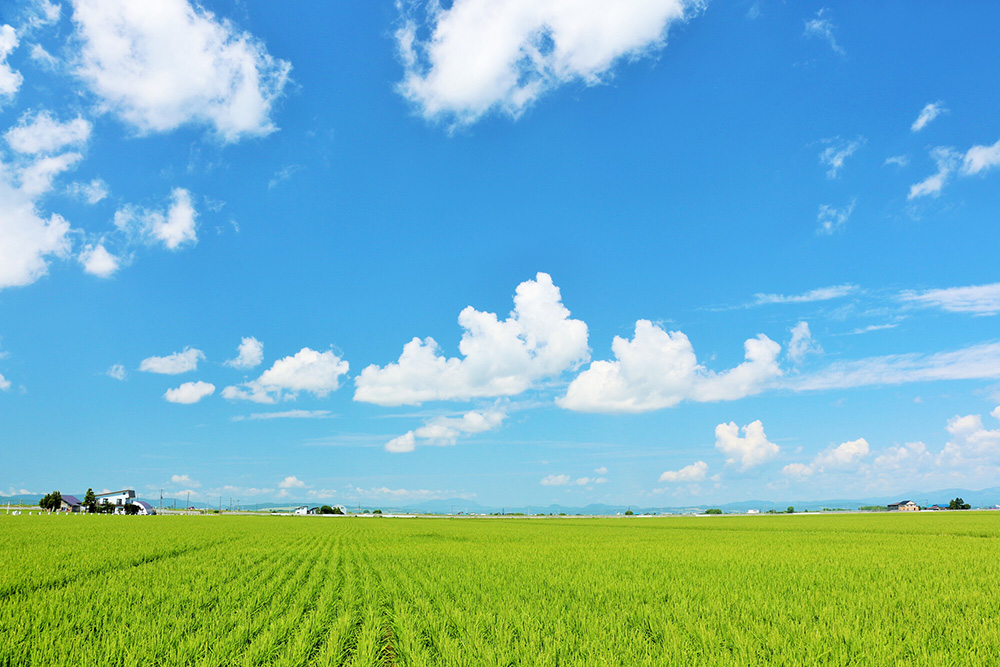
(482, 55)
(751, 450)
(802, 343)
(927, 114)
(308, 370)
(947, 160)
(837, 152)
(250, 354)
(603, 470)
(96, 260)
(974, 362)
(4, 383)
(91, 193)
(10, 80)
(43, 12)
(820, 294)
(830, 219)
(173, 364)
(173, 226)
(116, 372)
(911, 455)
(971, 442)
(189, 392)
(898, 160)
(27, 239)
(443, 431)
(287, 414)
(184, 480)
(41, 133)
(291, 482)
(822, 28)
(555, 480)
(164, 64)
(36, 178)
(980, 158)
(659, 369)
(43, 57)
(500, 357)
(974, 299)
(693, 473)
(844, 456)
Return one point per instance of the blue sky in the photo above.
(651, 253)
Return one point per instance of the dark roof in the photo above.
(71, 500)
(144, 504)
(115, 493)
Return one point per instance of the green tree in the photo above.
(790, 510)
(131, 508)
(51, 501)
(90, 501)
(337, 510)
(958, 504)
(629, 513)
(714, 510)
(326, 509)
(376, 511)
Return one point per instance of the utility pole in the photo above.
(189, 501)
(161, 499)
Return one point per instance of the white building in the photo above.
(116, 498)
(302, 511)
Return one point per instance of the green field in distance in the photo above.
(887, 589)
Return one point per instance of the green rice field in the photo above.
(868, 589)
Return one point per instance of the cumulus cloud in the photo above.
(91, 193)
(291, 482)
(974, 299)
(4, 383)
(173, 364)
(693, 473)
(10, 80)
(974, 362)
(308, 370)
(97, 261)
(980, 158)
(971, 442)
(802, 343)
(27, 237)
(830, 219)
(445, 431)
(36, 178)
(603, 470)
(249, 355)
(927, 114)
(748, 451)
(184, 480)
(116, 372)
(947, 160)
(500, 357)
(555, 480)
(658, 369)
(836, 153)
(480, 55)
(173, 226)
(161, 65)
(911, 455)
(41, 133)
(189, 392)
(822, 28)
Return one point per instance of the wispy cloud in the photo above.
(970, 363)
(830, 219)
(927, 114)
(974, 299)
(822, 28)
(837, 151)
(287, 414)
(819, 294)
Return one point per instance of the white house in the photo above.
(302, 511)
(116, 498)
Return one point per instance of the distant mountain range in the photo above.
(983, 498)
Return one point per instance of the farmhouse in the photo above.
(302, 511)
(904, 506)
(70, 504)
(117, 498)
